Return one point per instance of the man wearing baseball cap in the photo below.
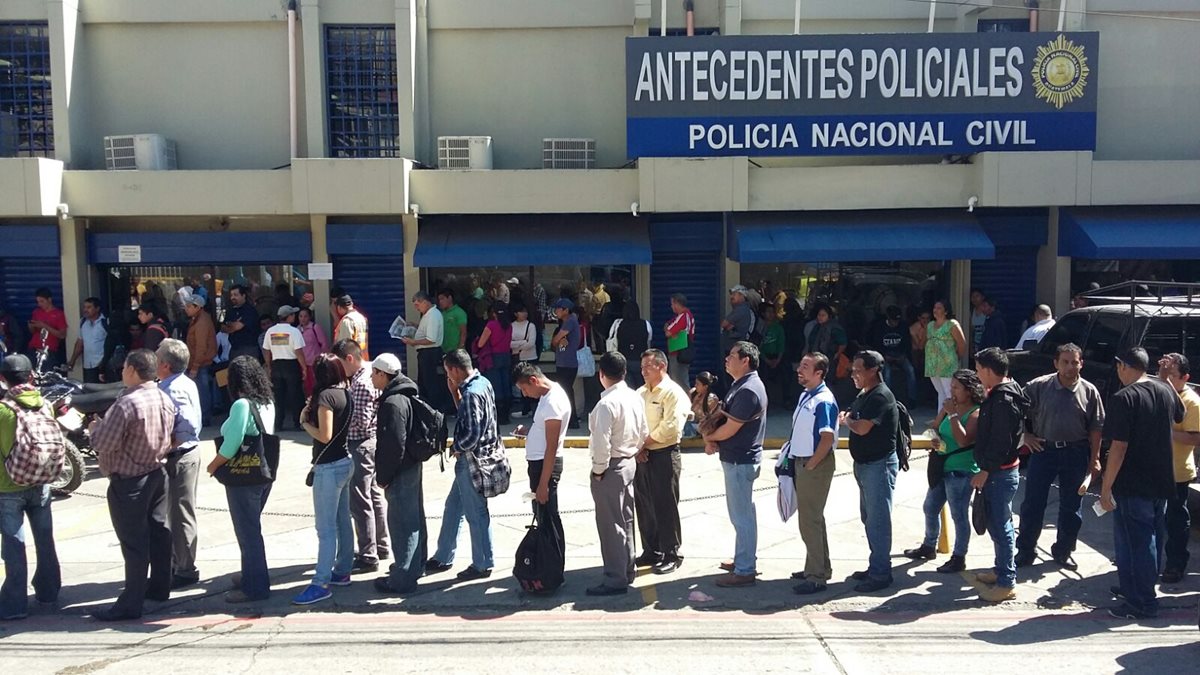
(18, 502)
(1139, 478)
(282, 348)
(566, 343)
(400, 476)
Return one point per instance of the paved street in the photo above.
(681, 619)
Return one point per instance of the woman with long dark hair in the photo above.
(523, 348)
(945, 348)
(315, 344)
(633, 335)
(251, 390)
(327, 419)
(956, 427)
(494, 349)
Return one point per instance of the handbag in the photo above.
(256, 461)
(612, 344)
(936, 468)
(585, 359)
(686, 355)
(979, 512)
(491, 474)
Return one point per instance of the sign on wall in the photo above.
(912, 93)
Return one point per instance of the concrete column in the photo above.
(321, 299)
(64, 23)
(641, 18)
(731, 18)
(1053, 270)
(406, 77)
(73, 258)
(960, 294)
(426, 144)
(313, 45)
(412, 284)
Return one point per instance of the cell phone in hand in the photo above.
(520, 431)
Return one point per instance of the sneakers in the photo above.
(986, 577)
(922, 552)
(809, 587)
(433, 566)
(340, 580)
(732, 580)
(471, 574)
(666, 566)
(956, 563)
(1124, 611)
(364, 566)
(647, 559)
(311, 595)
(997, 594)
(871, 585)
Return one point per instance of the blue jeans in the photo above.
(47, 580)
(876, 482)
(739, 500)
(999, 491)
(500, 375)
(465, 502)
(1138, 527)
(406, 522)
(246, 504)
(335, 531)
(207, 388)
(910, 378)
(1069, 465)
(955, 488)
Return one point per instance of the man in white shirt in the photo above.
(93, 329)
(618, 430)
(545, 438)
(282, 346)
(1044, 321)
(656, 485)
(428, 343)
(810, 450)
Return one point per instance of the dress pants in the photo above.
(183, 476)
(431, 385)
(367, 506)
(656, 500)
(288, 386)
(565, 377)
(138, 508)
(613, 495)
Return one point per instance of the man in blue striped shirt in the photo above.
(814, 432)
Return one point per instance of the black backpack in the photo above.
(904, 424)
(428, 436)
(541, 555)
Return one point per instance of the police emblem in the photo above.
(1060, 72)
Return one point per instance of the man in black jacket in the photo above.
(399, 475)
(1001, 420)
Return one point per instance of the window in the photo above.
(360, 81)
(1105, 338)
(1070, 328)
(1168, 334)
(26, 112)
(1003, 26)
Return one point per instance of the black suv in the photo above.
(1159, 324)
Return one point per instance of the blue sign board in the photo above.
(912, 93)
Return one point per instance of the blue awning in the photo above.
(1130, 233)
(823, 236)
(567, 239)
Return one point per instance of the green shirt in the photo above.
(773, 340)
(453, 320)
(240, 424)
(963, 461)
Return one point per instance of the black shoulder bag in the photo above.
(256, 461)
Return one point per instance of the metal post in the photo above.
(932, 12)
(796, 23)
(1062, 14)
(663, 31)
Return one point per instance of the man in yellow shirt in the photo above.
(656, 484)
(1185, 436)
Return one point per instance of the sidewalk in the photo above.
(92, 567)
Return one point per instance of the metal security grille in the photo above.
(26, 113)
(360, 81)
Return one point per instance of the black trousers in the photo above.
(1179, 526)
(138, 508)
(551, 507)
(91, 375)
(288, 386)
(431, 385)
(565, 377)
(656, 502)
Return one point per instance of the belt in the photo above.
(182, 451)
(1063, 444)
(673, 446)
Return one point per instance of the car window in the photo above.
(1105, 338)
(1166, 334)
(1070, 328)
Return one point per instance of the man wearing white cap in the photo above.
(400, 475)
(284, 360)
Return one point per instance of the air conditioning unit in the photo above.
(568, 153)
(139, 152)
(464, 152)
(8, 135)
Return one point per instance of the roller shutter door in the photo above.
(377, 285)
(687, 259)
